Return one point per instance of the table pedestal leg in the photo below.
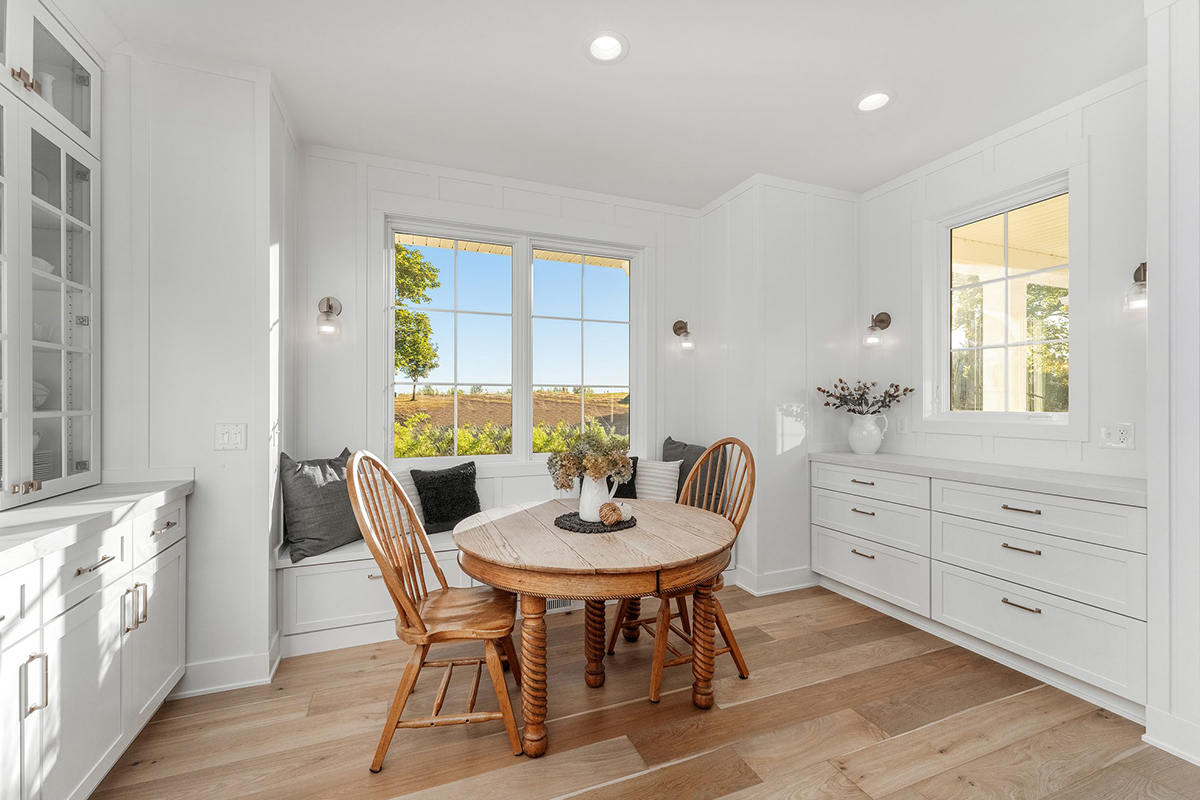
(633, 611)
(703, 636)
(593, 643)
(533, 674)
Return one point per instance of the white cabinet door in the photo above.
(22, 685)
(10, 333)
(83, 724)
(156, 643)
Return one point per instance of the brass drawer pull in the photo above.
(864, 555)
(864, 513)
(1008, 546)
(85, 570)
(373, 576)
(164, 528)
(45, 659)
(1036, 511)
(133, 623)
(862, 483)
(144, 614)
(1008, 602)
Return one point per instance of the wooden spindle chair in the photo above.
(429, 613)
(722, 481)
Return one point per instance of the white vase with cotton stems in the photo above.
(865, 436)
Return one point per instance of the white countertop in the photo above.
(1086, 486)
(32, 531)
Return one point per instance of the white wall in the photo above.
(1112, 119)
(777, 282)
(345, 197)
(1173, 245)
(191, 282)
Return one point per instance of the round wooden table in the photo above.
(519, 549)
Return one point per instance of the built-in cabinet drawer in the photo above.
(155, 532)
(892, 524)
(894, 487)
(20, 603)
(1089, 521)
(84, 568)
(1100, 576)
(1102, 648)
(897, 576)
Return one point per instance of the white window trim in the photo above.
(522, 461)
(933, 221)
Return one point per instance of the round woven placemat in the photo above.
(572, 522)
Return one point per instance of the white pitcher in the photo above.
(595, 494)
(865, 435)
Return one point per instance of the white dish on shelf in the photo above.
(45, 266)
(37, 439)
(40, 394)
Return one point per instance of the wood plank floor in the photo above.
(842, 704)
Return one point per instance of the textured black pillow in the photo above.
(689, 454)
(628, 489)
(317, 514)
(448, 496)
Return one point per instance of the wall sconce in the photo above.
(680, 328)
(1135, 293)
(879, 324)
(327, 320)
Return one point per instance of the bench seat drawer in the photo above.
(887, 523)
(1100, 576)
(1099, 647)
(1086, 520)
(897, 576)
(894, 487)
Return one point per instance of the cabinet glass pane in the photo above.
(47, 379)
(77, 390)
(79, 183)
(47, 448)
(78, 321)
(64, 83)
(45, 168)
(47, 310)
(79, 445)
(46, 240)
(77, 261)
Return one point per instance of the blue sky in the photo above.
(559, 289)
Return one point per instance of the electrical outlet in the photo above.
(230, 436)
(1117, 435)
(902, 425)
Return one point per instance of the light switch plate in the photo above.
(230, 436)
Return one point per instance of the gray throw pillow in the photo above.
(317, 514)
(689, 454)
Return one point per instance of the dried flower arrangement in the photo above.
(857, 399)
(592, 455)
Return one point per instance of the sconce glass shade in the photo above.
(873, 338)
(1135, 297)
(685, 341)
(327, 320)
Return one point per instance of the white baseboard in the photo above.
(1179, 737)
(207, 677)
(1126, 708)
(784, 580)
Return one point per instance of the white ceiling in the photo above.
(712, 91)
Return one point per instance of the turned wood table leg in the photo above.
(633, 611)
(533, 674)
(703, 636)
(593, 643)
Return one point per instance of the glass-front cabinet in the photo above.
(50, 71)
(50, 334)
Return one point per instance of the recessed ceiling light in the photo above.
(606, 47)
(873, 102)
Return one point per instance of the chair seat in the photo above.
(480, 612)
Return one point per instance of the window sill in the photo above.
(1018, 426)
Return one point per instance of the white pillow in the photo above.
(409, 486)
(657, 480)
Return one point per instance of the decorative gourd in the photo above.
(610, 514)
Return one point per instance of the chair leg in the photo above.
(730, 641)
(662, 630)
(616, 631)
(681, 604)
(514, 662)
(492, 650)
(402, 692)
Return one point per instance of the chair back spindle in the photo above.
(393, 534)
(722, 481)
